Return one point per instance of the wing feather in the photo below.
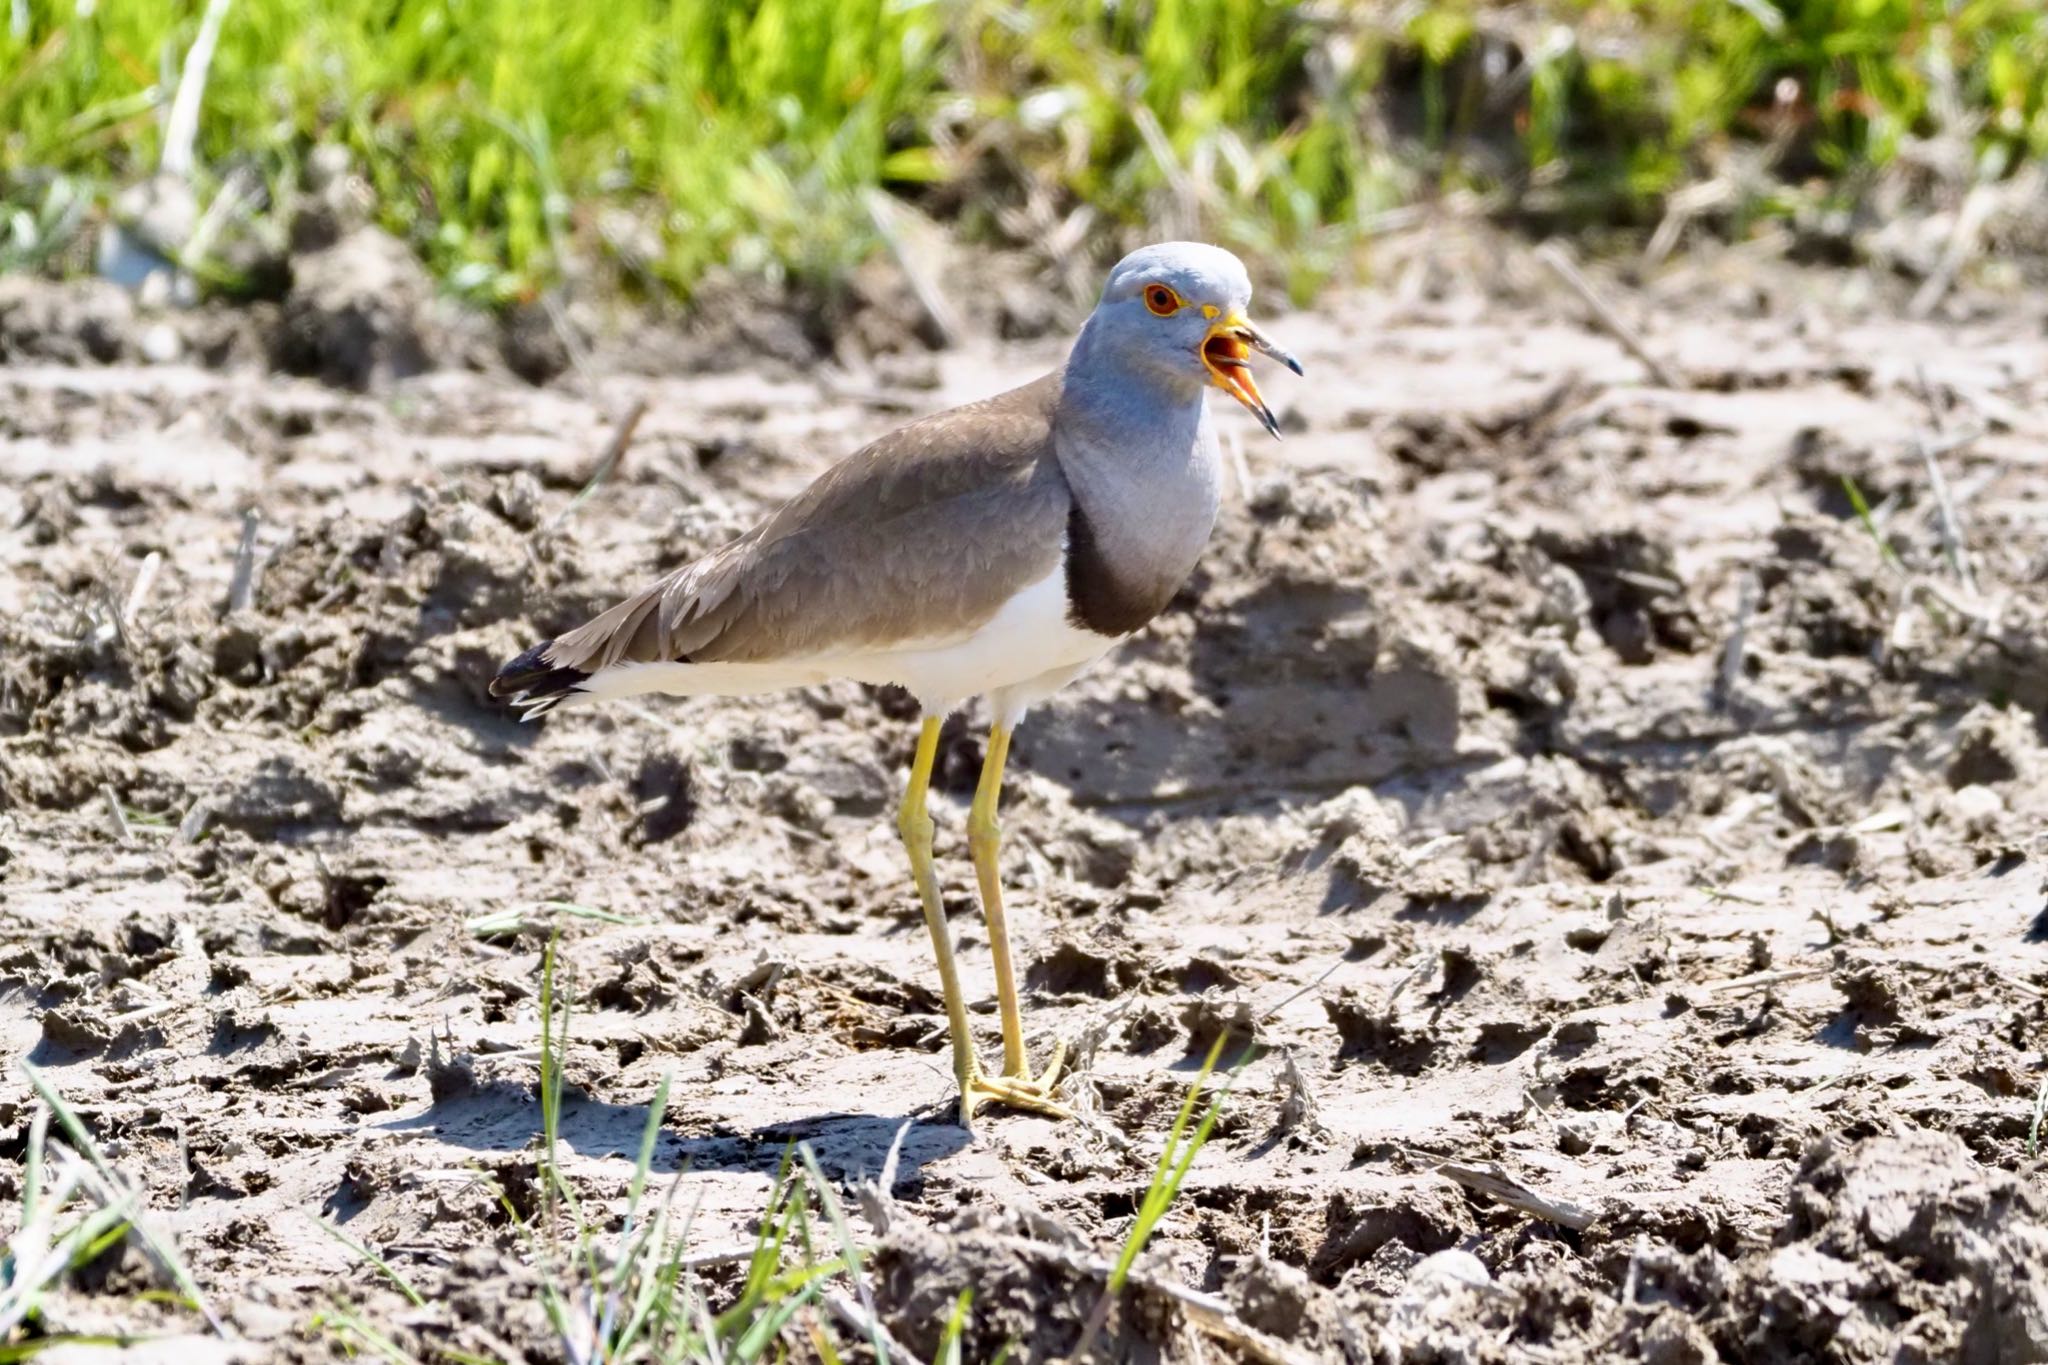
(921, 536)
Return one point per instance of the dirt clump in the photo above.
(1898, 1247)
(356, 313)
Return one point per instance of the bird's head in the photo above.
(1180, 309)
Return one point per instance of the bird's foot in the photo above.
(1047, 1078)
(1016, 1091)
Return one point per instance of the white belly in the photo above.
(1024, 653)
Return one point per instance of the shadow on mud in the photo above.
(1299, 690)
(504, 1118)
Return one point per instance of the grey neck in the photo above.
(1137, 450)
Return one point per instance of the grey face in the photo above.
(1181, 310)
(1163, 300)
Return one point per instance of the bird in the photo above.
(994, 550)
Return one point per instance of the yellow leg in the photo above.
(915, 824)
(984, 841)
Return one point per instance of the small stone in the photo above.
(1450, 1267)
(1975, 810)
(517, 500)
(1353, 812)
(160, 343)
(531, 343)
(1270, 497)
(328, 165)
(1212, 1017)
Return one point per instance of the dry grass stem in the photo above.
(1738, 638)
(1494, 1182)
(1559, 261)
(242, 584)
(887, 218)
(608, 460)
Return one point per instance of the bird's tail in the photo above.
(536, 683)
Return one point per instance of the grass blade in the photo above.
(160, 1248)
(340, 1321)
(1862, 508)
(850, 1252)
(362, 1252)
(956, 1327)
(1174, 1161)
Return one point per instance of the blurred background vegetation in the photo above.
(646, 142)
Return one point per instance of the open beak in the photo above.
(1227, 353)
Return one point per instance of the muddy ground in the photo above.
(1631, 873)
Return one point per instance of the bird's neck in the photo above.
(1137, 451)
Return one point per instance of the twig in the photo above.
(115, 627)
(564, 330)
(878, 1196)
(1635, 1270)
(1177, 180)
(193, 826)
(1738, 637)
(145, 579)
(1495, 1183)
(1762, 979)
(1560, 264)
(1648, 582)
(182, 127)
(1210, 1312)
(1962, 244)
(614, 451)
(1681, 207)
(1299, 1113)
(1984, 614)
(860, 1320)
(1951, 525)
(2023, 987)
(1459, 206)
(242, 586)
(116, 819)
(241, 190)
(883, 214)
(1240, 468)
(1950, 443)
(1320, 979)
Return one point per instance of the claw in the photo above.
(1033, 1095)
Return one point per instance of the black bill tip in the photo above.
(1272, 349)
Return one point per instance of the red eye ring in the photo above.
(1162, 301)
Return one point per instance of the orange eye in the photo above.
(1162, 301)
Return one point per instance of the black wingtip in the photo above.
(534, 681)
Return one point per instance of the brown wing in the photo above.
(922, 535)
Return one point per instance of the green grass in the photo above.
(1176, 1158)
(656, 139)
(1868, 520)
(74, 1208)
(631, 1296)
(371, 1258)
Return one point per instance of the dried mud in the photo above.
(1444, 781)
